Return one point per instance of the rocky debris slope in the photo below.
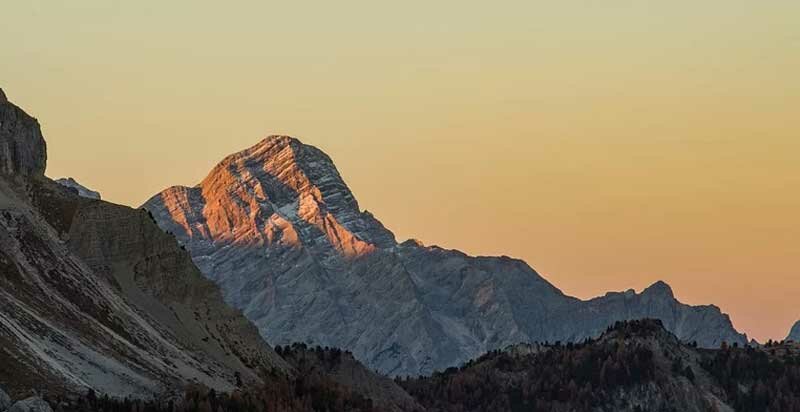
(278, 229)
(80, 189)
(95, 296)
(794, 334)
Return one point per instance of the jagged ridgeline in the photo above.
(278, 229)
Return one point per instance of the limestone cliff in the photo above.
(278, 229)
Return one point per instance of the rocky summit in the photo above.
(278, 229)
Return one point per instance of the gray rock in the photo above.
(78, 188)
(5, 400)
(95, 295)
(794, 334)
(22, 147)
(278, 229)
(32, 404)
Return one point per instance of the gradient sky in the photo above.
(608, 143)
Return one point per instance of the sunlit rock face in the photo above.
(276, 226)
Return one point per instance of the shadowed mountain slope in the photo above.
(95, 296)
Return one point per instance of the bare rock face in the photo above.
(22, 147)
(5, 400)
(95, 296)
(794, 334)
(32, 404)
(78, 188)
(277, 228)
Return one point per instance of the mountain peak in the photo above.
(279, 191)
(285, 159)
(276, 226)
(3, 98)
(278, 139)
(660, 288)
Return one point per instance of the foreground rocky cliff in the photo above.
(95, 296)
(278, 229)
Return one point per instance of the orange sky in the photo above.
(609, 144)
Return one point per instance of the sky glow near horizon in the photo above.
(608, 144)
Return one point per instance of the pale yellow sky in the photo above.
(609, 144)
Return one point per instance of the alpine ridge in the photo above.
(278, 229)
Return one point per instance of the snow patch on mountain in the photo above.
(80, 189)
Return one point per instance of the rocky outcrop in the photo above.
(278, 229)
(78, 188)
(32, 404)
(22, 147)
(794, 334)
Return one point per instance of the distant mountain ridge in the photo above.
(80, 189)
(278, 229)
(633, 366)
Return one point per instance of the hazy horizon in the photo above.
(607, 145)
